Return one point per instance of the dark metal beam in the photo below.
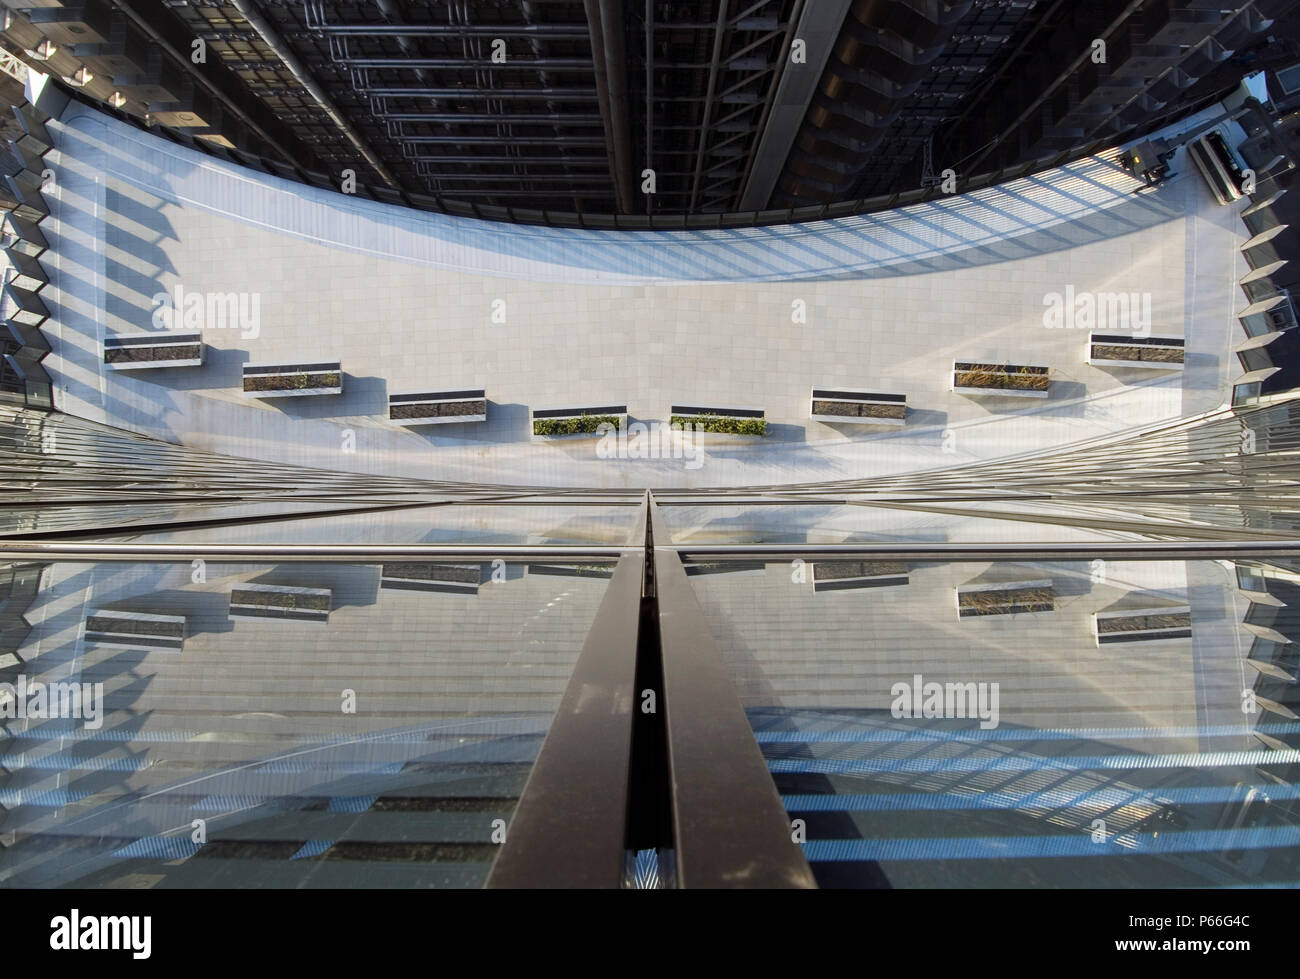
(744, 24)
(531, 199)
(747, 80)
(607, 44)
(746, 16)
(571, 32)
(561, 94)
(568, 827)
(463, 140)
(819, 23)
(171, 36)
(271, 38)
(729, 826)
(530, 13)
(527, 161)
(518, 64)
(649, 29)
(719, 33)
(514, 178)
(541, 119)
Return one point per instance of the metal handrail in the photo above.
(1120, 550)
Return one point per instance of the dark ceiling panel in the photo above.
(563, 105)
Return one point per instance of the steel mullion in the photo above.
(729, 826)
(568, 829)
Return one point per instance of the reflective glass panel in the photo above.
(1055, 724)
(293, 725)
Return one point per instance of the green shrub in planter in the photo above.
(721, 425)
(580, 424)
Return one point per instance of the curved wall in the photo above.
(541, 317)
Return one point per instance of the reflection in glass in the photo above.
(1097, 724)
(301, 725)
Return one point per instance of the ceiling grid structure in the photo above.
(651, 109)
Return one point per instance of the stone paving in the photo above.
(553, 318)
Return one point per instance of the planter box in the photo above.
(1006, 599)
(839, 407)
(135, 630)
(1143, 625)
(1161, 353)
(720, 421)
(437, 408)
(840, 575)
(461, 579)
(1002, 380)
(250, 601)
(549, 423)
(147, 351)
(280, 380)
